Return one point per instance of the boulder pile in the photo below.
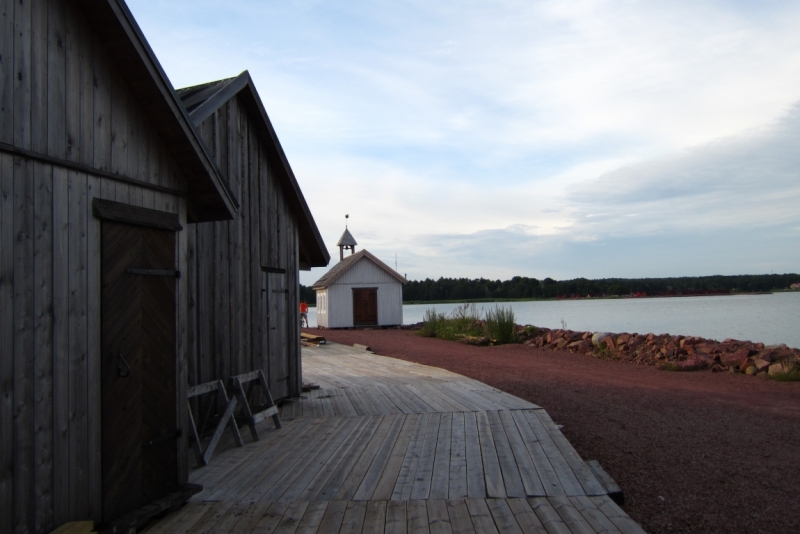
(675, 353)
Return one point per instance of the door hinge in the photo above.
(154, 272)
(166, 437)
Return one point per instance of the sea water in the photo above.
(769, 319)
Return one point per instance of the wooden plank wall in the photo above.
(60, 96)
(226, 325)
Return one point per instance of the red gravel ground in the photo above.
(693, 452)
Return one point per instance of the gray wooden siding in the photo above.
(60, 96)
(364, 274)
(227, 325)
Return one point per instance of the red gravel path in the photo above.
(693, 452)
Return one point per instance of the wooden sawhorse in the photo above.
(247, 416)
(227, 406)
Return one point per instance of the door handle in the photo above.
(125, 371)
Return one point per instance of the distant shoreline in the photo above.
(618, 297)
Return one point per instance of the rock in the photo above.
(598, 338)
(747, 362)
(779, 367)
(562, 343)
(693, 364)
(735, 359)
(481, 341)
(586, 335)
(761, 364)
(751, 370)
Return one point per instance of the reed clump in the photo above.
(792, 373)
(466, 324)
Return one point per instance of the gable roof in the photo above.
(210, 198)
(202, 101)
(343, 266)
(347, 239)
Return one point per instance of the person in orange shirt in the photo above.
(303, 314)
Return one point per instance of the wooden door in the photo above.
(278, 334)
(139, 433)
(365, 307)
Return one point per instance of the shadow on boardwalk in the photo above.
(391, 446)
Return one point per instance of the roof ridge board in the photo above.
(192, 99)
(228, 88)
(191, 88)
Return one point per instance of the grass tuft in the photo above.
(465, 322)
(793, 375)
(500, 324)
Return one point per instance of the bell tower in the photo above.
(347, 241)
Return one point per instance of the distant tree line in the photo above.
(521, 287)
(309, 295)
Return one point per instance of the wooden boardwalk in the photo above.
(391, 446)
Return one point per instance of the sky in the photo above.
(499, 138)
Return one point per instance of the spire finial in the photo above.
(346, 242)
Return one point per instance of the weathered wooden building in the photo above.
(243, 274)
(103, 271)
(360, 290)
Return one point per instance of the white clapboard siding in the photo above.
(366, 272)
(322, 308)
(338, 299)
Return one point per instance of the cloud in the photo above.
(741, 181)
(514, 137)
(726, 207)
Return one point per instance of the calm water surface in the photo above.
(769, 319)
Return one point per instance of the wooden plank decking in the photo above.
(390, 446)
